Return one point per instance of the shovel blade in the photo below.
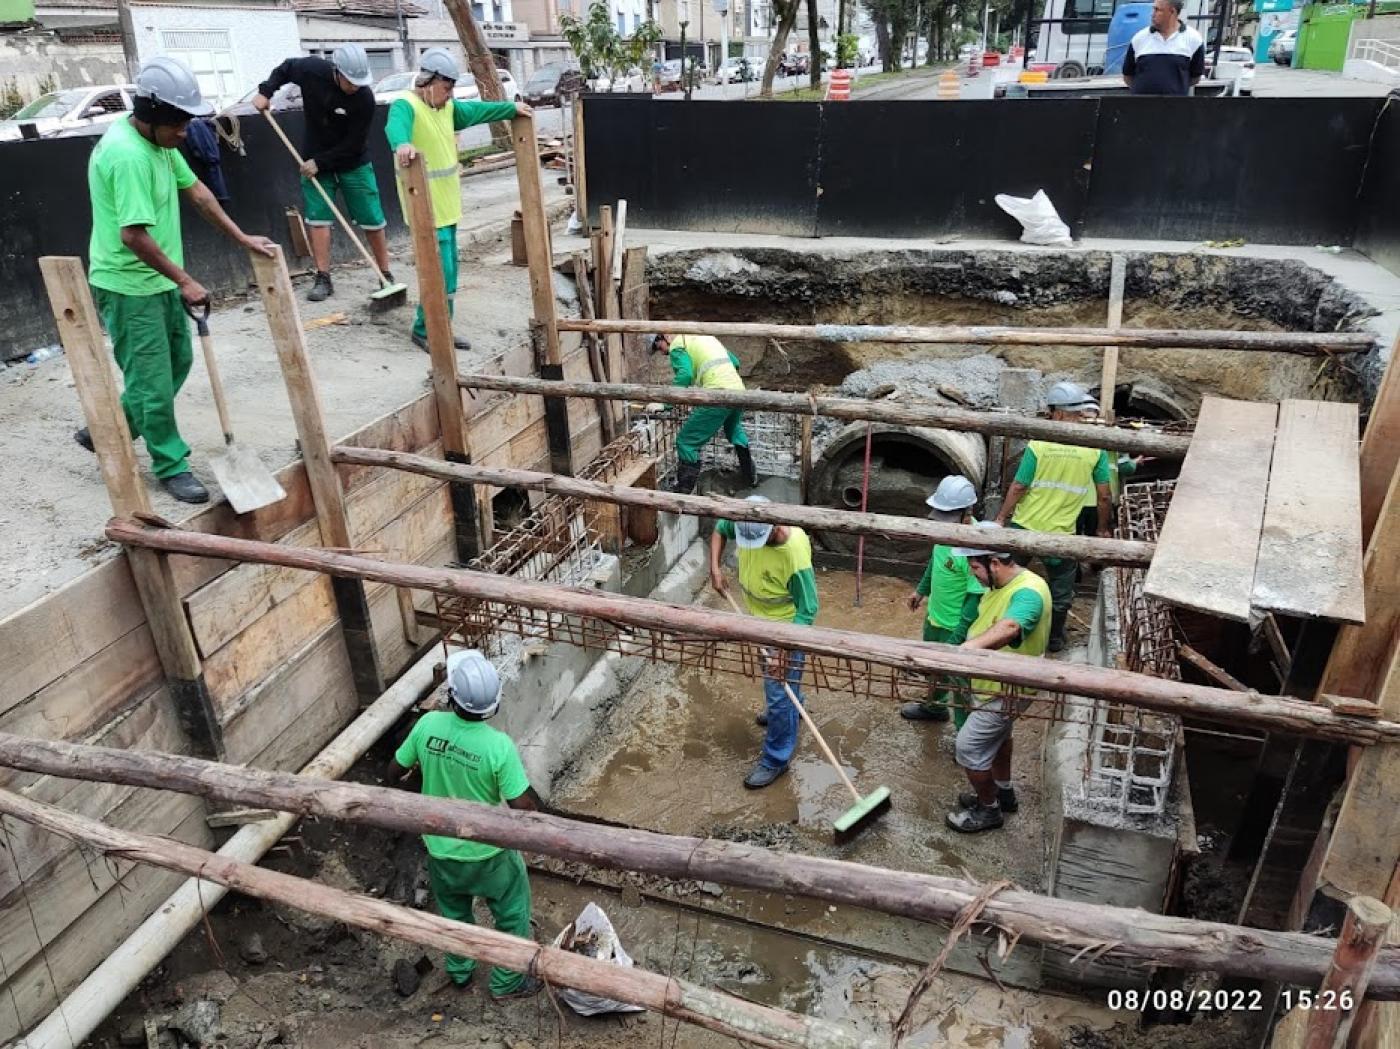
(246, 483)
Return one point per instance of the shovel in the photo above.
(246, 483)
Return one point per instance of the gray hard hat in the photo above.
(954, 492)
(169, 80)
(1070, 396)
(439, 62)
(352, 63)
(473, 684)
(977, 551)
(750, 535)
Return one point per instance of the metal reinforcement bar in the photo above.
(1303, 342)
(816, 518)
(1126, 933)
(902, 413)
(1275, 713)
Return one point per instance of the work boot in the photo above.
(687, 477)
(1057, 629)
(974, 820)
(84, 437)
(530, 987)
(919, 712)
(322, 289)
(185, 487)
(746, 467)
(458, 343)
(388, 277)
(761, 775)
(1006, 800)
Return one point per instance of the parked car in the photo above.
(671, 77)
(70, 109)
(544, 88)
(1281, 48)
(466, 90)
(632, 80)
(1236, 63)
(288, 96)
(794, 65)
(735, 71)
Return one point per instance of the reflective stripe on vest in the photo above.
(435, 139)
(764, 575)
(992, 610)
(710, 363)
(1064, 475)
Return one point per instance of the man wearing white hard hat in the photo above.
(1050, 488)
(775, 574)
(952, 593)
(338, 108)
(460, 756)
(1011, 617)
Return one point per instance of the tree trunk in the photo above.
(814, 45)
(882, 42)
(787, 18)
(481, 64)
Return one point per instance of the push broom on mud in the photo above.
(868, 808)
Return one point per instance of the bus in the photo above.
(1073, 34)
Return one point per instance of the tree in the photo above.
(481, 63)
(786, 12)
(603, 51)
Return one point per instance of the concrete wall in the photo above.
(33, 60)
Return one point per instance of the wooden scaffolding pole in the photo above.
(816, 518)
(1275, 713)
(900, 413)
(1344, 987)
(1302, 342)
(80, 332)
(289, 340)
(755, 1024)
(1117, 279)
(1151, 939)
(442, 352)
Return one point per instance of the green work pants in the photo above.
(447, 250)
(502, 882)
(945, 691)
(151, 342)
(702, 424)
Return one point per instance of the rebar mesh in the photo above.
(775, 441)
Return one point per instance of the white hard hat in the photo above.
(473, 684)
(439, 62)
(750, 535)
(977, 551)
(169, 80)
(351, 62)
(1070, 396)
(954, 492)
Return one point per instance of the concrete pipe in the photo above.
(906, 464)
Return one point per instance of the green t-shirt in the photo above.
(947, 581)
(133, 182)
(468, 760)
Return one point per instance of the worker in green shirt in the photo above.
(1010, 618)
(426, 121)
(775, 574)
(1050, 487)
(136, 260)
(1120, 471)
(704, 362)
(952, 592)
(460, 756)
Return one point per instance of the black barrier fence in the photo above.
(44, 211)
(1278, 171)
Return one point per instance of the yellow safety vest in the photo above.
(435, 139)
(764, 574)
(1064, 475)
(992, 610)
(709, 362)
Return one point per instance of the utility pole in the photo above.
(481, 64)
(128, 34)
(722, 8)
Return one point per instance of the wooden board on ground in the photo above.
(1206, 553)
(1310, 547)
(616, 524)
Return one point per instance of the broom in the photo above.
(868, 808)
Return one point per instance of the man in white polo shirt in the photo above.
(1168, 57)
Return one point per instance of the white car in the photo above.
(466, 90)
(70, 109)
(734, 71)
(632, 80)
(1235, 63)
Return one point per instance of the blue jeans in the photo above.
(781, 738)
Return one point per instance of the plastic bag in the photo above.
(1040, 222)
(592, 935)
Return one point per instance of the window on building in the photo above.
(622, 23)
(209, 54)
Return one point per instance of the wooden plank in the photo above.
(1310, 547)
(635, 299)
(616, 523)
(580, 165)
(269, 642)
(1210, 538)
(1118, 275)
(1380, 444)
(537, 244)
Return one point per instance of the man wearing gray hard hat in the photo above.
(338, 106)
(460, 756)
(1050, 487)
(136, 260)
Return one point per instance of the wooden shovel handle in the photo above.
(206, 343)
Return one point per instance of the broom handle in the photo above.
(807, 718)
(383, 281)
